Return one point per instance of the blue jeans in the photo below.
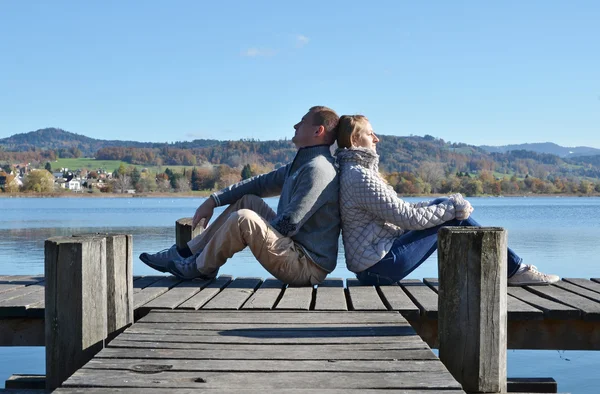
(412, 248)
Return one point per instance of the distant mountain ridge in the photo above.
(55, 139)
(410, 154)
(545, 147)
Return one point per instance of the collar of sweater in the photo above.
(306, 154)
(358, 156)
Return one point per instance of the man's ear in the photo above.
(320, 131)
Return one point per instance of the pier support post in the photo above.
(184, 232)
(75, 303)
(472, 306)
(119, 283)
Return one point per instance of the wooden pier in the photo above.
(107, 331)
(565, 316)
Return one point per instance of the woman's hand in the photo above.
(204, 213)
(462, 207)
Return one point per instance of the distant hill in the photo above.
(56, 139)
(410, 154)
(545, 147)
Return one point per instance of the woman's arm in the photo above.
(373, 194)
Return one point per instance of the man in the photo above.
(298, 244)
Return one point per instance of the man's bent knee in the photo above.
(247, 218)
(250, 199)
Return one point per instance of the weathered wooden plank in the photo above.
(392, 344)
(585, 283)
(197, 328)
(590, 309)
(531, 385)
(22, 332)
(177, 295)
(394, 298)
(423, 296)
(551, 309)
(37, 310)
(363, 298)
(18, 306)
(149, 390)
(297, 353)
(76, 303)
(281, 335)
(266, 296)
(19, 292)
(296, 298)
(517, 309)
(141, 365)
(145, 281)
(25, 382)
(278, 317)
(267, 381)
(592, 295)
(17, 282)
(234, 295)
(154, 290)
(330, 295)
(206, 294)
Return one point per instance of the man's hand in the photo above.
(204, 211)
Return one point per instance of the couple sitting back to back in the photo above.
(384, 237)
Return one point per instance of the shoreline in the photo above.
(205, 194)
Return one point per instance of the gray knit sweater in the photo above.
(372, 214)
(308, 209)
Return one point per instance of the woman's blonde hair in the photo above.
(348, 127)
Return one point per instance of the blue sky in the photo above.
(464, 71)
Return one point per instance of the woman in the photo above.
(386, 238)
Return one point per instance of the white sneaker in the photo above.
(531, 276)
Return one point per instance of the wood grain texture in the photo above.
(472, 306)
(330, 295)
(266, 296)
(234, 295)
(76, 304)
(363, 298)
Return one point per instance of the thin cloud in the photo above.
(257, 52)
(195, 136)
(301, 40)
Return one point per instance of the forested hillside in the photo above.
(422, 164)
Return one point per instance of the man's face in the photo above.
(305, 131)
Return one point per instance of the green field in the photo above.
(108, 165)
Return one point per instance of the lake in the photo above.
(560, 235)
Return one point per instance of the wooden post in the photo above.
(119, 284)
(184, 232)
(472, 306)
(75, 301)
(119, 280)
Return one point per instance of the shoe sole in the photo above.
(144, 259)
(532, 284)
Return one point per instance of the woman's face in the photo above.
(365, 137)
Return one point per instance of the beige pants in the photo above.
(246, 223)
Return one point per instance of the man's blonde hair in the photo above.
(349, 126)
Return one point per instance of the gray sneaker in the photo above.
(186, 269)
(159, 260)
(531, 276)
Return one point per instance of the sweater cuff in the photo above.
(216, 199)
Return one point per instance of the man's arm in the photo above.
(265, 185)
(313, 185)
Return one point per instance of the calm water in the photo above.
(559, 235)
